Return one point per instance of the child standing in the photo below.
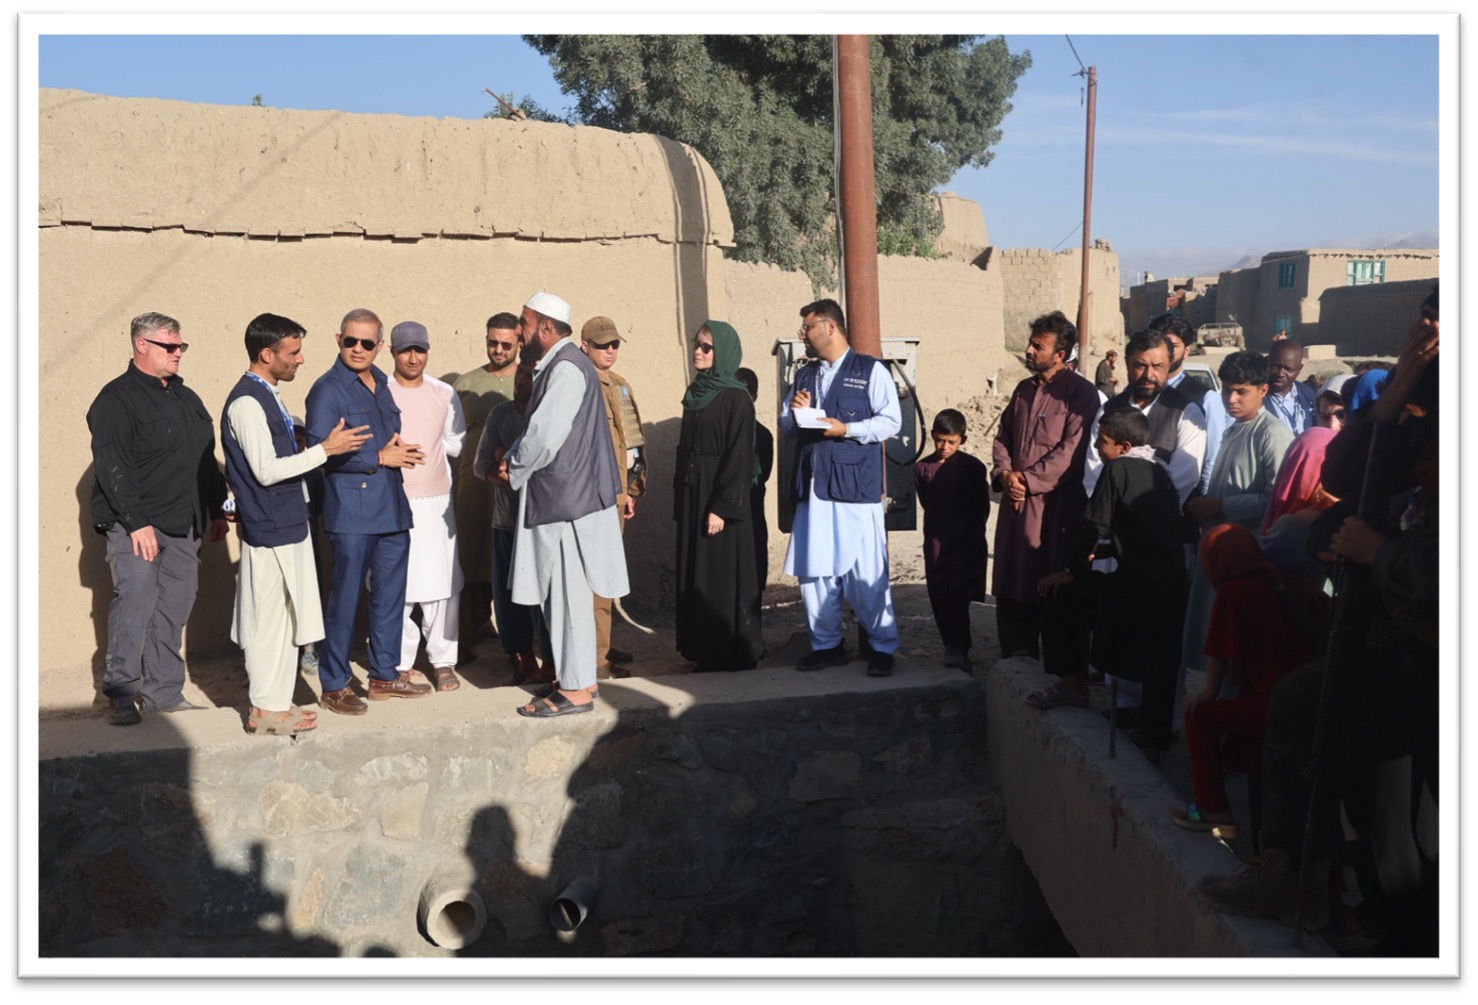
(1240, 486)
(954, 490)
(1135, 507)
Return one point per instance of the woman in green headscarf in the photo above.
(718, 596)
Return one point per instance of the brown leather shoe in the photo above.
(343, 701)
(403, 686)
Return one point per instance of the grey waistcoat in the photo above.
(582, 478)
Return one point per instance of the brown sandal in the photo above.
(285, 723)
(446, 678)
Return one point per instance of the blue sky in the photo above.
(1210, 148)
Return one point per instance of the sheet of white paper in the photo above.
(810, 418)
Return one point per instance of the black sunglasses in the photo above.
(182, 347)
(495, 344)
(349, 342)
(703, 346)
(614, 343)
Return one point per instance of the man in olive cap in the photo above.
(600, 341)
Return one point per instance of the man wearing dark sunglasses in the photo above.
(601, 343)
(366, 516)
(157, 488)
(480, 390)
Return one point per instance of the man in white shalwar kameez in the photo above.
(838, 543)
(277, 599)
(431, 415)
(567, 543)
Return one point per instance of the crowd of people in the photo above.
(1157, 535)
(1172, 534)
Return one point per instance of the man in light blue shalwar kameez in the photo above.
(838, 544)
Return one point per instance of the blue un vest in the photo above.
(841, 470)
(269, 515)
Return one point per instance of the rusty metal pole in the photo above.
(1087, 217)
(858, 194)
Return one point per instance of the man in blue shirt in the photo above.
(366, 516)
(1291, 402)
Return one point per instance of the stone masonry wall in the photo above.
(1036, 281)
(764, 814)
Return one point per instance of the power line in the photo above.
(1076, 228)
(1081, 68)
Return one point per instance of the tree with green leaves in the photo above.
(759, 109)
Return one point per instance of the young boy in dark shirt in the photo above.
(953, 488)
(1133, 612)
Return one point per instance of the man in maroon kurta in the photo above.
(1037, 465)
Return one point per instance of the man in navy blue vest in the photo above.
(366, 516)
(277, 605)
(838, 543)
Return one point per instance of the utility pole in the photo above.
(1087, 211)
(858, 195)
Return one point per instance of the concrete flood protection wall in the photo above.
(1119, 876)
(767, 813)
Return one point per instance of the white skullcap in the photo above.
(549, 305)
(1336, 382)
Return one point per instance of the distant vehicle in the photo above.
(1222, 333)
(1204, 372)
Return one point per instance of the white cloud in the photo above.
(1423, 154)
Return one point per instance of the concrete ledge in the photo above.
(1119, 877)
(765, 813)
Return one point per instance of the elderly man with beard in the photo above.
(277, 605)
(1037, 464)
(567, 543)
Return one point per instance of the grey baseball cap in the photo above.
(409, 334)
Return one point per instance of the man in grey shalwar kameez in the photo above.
(567, 543)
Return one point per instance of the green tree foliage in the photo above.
(759, 109)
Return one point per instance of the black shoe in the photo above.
(183, 705)
(819, 659)
(880, 664)
(124, 714)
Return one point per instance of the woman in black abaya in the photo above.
(718, 596)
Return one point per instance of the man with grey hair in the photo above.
(366, 516)
(567, 544)
(157, 487)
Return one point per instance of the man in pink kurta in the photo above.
(1037, 465)
(431, 412)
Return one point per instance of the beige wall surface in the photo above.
(339, 209)
(268, 172)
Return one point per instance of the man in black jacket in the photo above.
(158, 486)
